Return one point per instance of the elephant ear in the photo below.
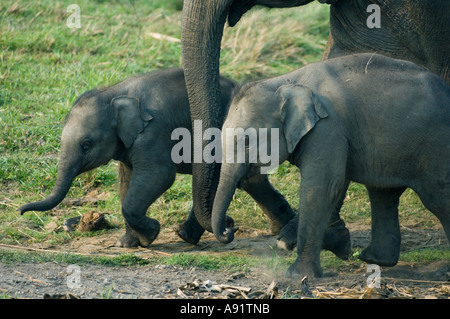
(300, 111)
(132, 118)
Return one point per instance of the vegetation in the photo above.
(45, 65)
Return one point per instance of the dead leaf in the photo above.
(92, 221)
(52, 226)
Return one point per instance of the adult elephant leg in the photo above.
(384, 248)
(190, 230)
(130, 239)
(272, 203)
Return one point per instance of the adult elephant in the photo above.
(414, 30)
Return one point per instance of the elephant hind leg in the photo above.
(384, 248)
(436, 198)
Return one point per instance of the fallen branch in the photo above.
(244, 289)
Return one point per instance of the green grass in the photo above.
(8, 256)
(232, 262)
(426, 255)
(45, 65)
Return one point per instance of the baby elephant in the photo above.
(132, 122)
(367, 118)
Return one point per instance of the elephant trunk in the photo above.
(230, 175)
(201, 35)
(66, 174)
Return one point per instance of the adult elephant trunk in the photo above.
(230, 175)
(201, 35)
(66, 174)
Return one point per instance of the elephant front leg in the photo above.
(336, 238)
(145, 187)
(318, 196)
(384, 248)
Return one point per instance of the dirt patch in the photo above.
(405, 280)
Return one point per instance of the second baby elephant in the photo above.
(132, 122)
(378, 121)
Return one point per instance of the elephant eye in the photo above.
(86, 145)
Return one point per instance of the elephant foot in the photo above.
(143, 234)
(189, 231)
(300, 270)
(370, 257)
(128, 241)
(278, 224)
(287, 239)
(148, 234)
(385, 255)
(337, 240)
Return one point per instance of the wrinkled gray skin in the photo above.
(132, 122)
(367, 118)
(413, 30)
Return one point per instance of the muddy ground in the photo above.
(54, 280)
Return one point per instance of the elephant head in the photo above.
(97, 130)
(288, 113)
